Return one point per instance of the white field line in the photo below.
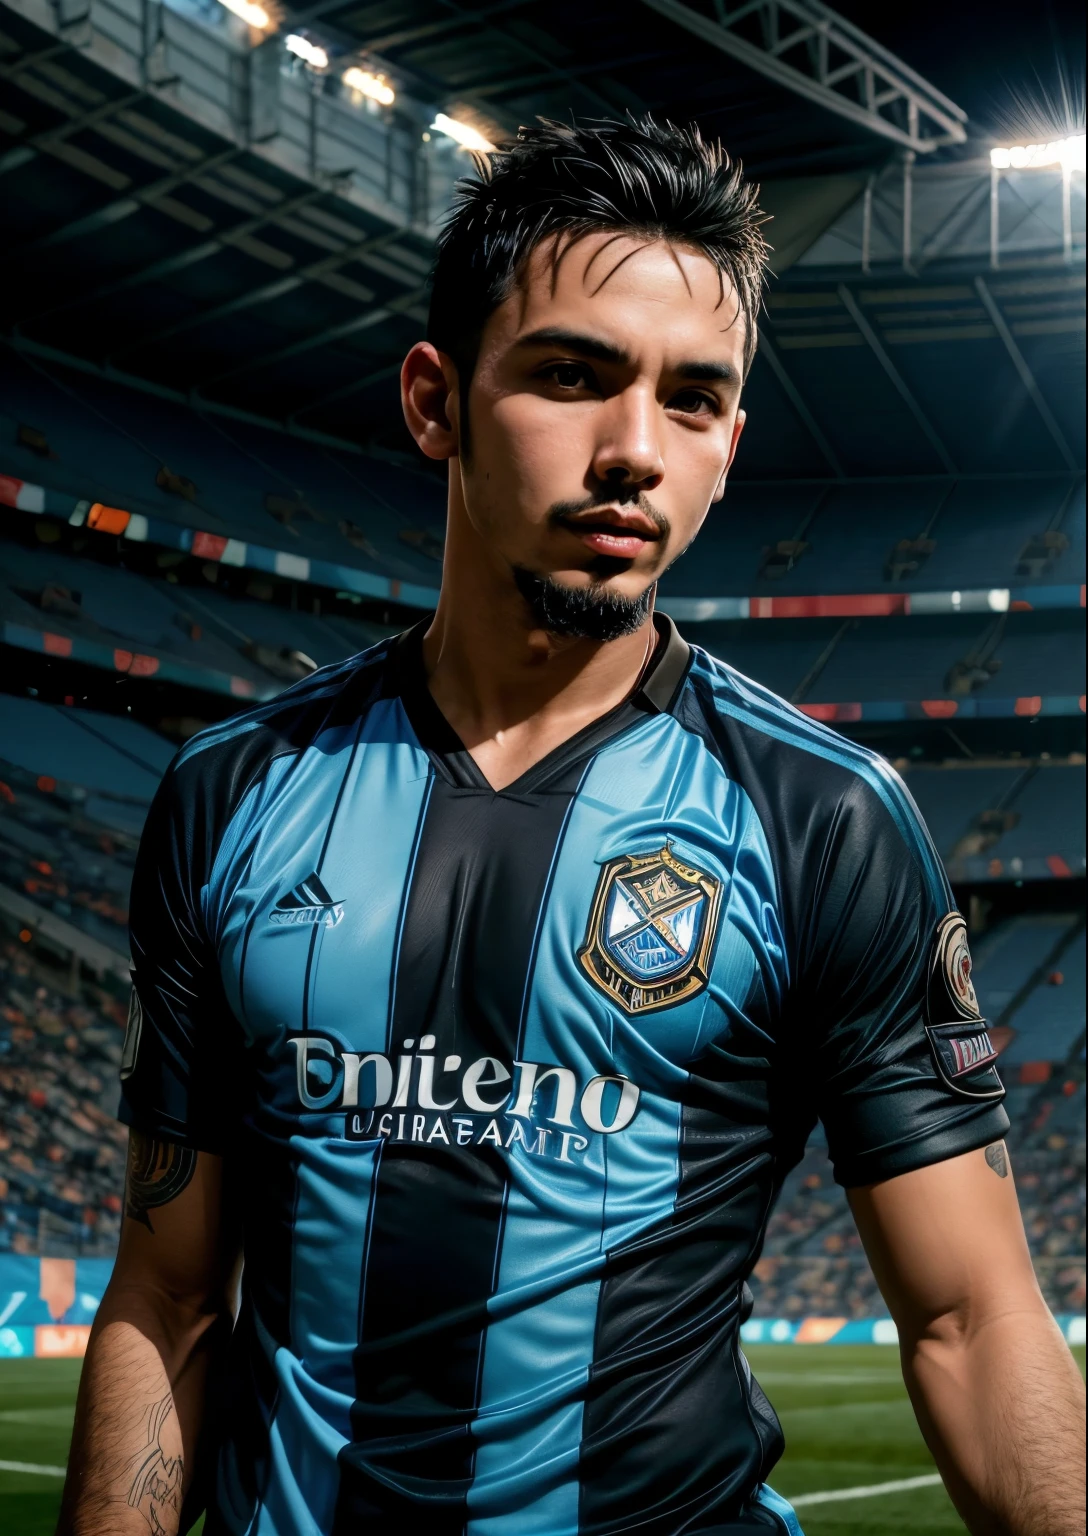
(827, 1496)
(869, 1491)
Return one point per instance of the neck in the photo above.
(511, 690)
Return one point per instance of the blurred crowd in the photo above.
(61, 848)
(61, 1149)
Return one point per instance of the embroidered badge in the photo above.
(952, 967)
(963, 1050)
(651, 930)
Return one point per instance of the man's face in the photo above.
(603, 412)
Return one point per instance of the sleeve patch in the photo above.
(959, 1036)
(133, 1031)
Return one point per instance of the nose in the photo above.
(628, 447)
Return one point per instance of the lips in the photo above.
(610, 531)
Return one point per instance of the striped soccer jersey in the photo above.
(506, 1084)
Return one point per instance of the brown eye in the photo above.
(569, 375)
(692, 403)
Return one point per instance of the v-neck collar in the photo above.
(656, 690)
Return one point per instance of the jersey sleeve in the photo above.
(905, 1070)
(182, 1038)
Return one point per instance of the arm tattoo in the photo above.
(158, 1171)
(995, 1156)
(155, 1489)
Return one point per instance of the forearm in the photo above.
(139, 1415)
(1001, 1404)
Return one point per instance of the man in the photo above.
(488, 984)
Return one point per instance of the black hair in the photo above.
(572, 179)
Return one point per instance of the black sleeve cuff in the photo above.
(152, 1123)
(973, 1127)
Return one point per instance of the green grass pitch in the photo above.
(845, 1413)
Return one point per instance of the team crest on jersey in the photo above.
(651, 930)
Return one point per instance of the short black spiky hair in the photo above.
(651, 178)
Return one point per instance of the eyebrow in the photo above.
(607, 352)
(575, 341)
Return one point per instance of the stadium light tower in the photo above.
(1064, 155)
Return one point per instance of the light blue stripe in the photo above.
(563, 1217)
(754, 704)
(778, 1506)
(367, 867)
(316, 1375)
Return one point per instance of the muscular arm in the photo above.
(164, 1318)
(996, 1392)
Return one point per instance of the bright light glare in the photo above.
(374, 86)
(308, 52)
(467, 137)
(254, 15)
(1068, 153)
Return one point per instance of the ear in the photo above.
(738, 428)
(428, 396)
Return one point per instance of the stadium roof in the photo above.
(192, 211)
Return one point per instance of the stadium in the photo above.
(221, 220)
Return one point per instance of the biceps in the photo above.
(178, 1234)
(947, 1240)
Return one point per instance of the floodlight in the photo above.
(1067, 153)
(254, 15)
(308, 52)
(374, 86)
(468, 138)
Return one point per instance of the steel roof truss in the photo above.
(862, 88)
(266, 292)
(124, 207)
(177, 263)
(799, 403)
(49, 137)
(373, 317)
(929, 431)
(1027, 378)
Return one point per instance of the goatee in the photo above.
(582, 613)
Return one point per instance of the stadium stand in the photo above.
(61, 1149)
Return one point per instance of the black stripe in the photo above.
(673, 1438)
(470, 920)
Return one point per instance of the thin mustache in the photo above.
(562, 509)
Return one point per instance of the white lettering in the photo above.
(404, 1079)
(492, 1134)
(593, 1103)
(531, 1079)
(383, 1077)
(464, 1130)
(516, 1135)
(385, 1125)
(474, 1079)
(307, 1046)
(418, 1124)
(438, 1132)
(425, 1093)
(580, 1143)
